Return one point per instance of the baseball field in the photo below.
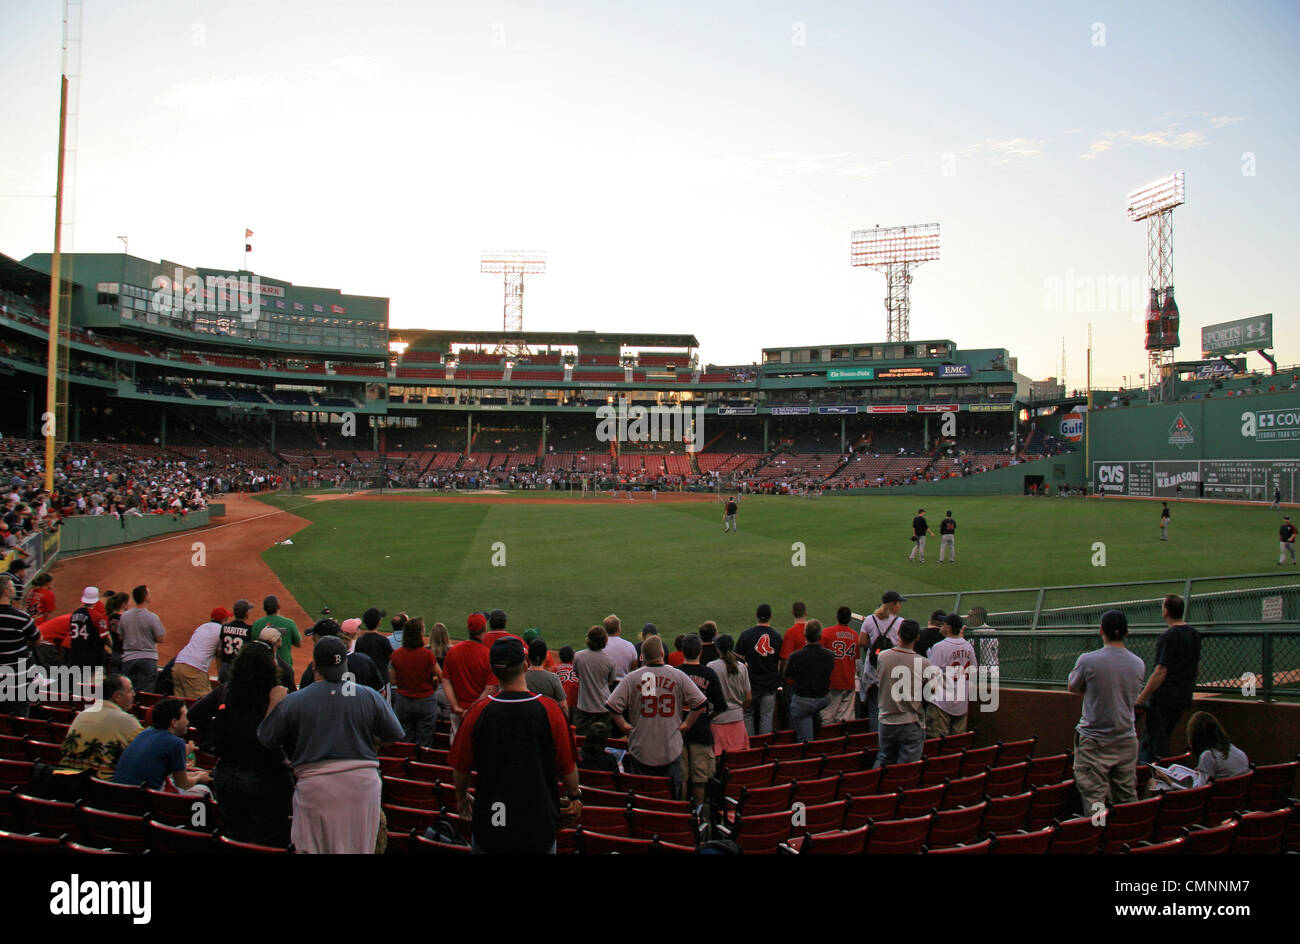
(562, 564)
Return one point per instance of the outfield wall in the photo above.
(86, 533)
(1235, 448)
(1066, 469)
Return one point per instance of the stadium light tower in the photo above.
(896, 250)
(513, 265)
(1155, 203)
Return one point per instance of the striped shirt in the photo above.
(17, 633)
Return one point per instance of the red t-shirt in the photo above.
(492, 635)
(41, 604)
(676, 659)
(415, 671)
(842, 643)
(468, 667)
(569, 679)
(793, 640)
(55, 631)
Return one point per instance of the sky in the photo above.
(687, 167)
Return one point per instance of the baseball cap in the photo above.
(219, 614)
(271, 636)
(937, 616)
(331, 658)
(476, 623)
(532, 633)
(325, 627)
(351, 626)
(649, 629)
(90, 595)
(507, 652)
(892, 596)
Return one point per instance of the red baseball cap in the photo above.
(476, 622)
(219, 614)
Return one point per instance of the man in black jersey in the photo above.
(920, 528)
(948, 538)
(233, 637)
(729, 518)
(87, 643)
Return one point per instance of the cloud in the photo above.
(1167, 137)
(1221, 121)
(1006, 150)
(222, 93)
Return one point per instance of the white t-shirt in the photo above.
(198, 652)
(956, 658)
(623, 654)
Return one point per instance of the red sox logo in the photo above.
(764, 645)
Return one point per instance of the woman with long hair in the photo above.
(415, 669)
(1215, 755)
(729, 727)
(253, 784)
(114, 607)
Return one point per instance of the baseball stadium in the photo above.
(609, 590)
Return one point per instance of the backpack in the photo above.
(881, 642)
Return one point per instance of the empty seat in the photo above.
(832, 842)
(1022, 842)
(1078, 836)
(1260, 832)
(956, 826)
(898, 836)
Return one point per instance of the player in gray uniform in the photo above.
(1286, 535)
(1164, 521)
(948, 538)
(729, 516)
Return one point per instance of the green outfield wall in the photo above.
(86, 533)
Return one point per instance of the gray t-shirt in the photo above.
(1111, 679)
(141, 631)
(657, 695)
(734, 689)
(546, 683)
(595, 678)
(1214, 766)
(326, 721)
(902, 686)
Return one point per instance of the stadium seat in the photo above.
(1022, 842)
(940, 768)
(784, 752)
(433, 755)
(833, 842)
(757, 776)
(15, 773)
(964, 791)
(760, 740)
(978, 759)
(846, 763)
(123, 832)
(749, 758)
(605, 779)
(402, 819)
(901, 776)
(918, 800)
(858, 726)
(594, 843)
(35, 728)
(9, 818)
(957, 742)
(413, 793)
(930, 747)
(763, 833)
(1049, 803)
(47, 817)
(566, 842)
(1185, 759)
(20, 843)
(76, 848)
(647, 786)
(897, 836)
(1008, 813)
(862, 741)
(598, 796)
(1168, 847)
(1227, 796)
(183, 809)
(1270, 788)
(115, 797)
(423, 844)
(392, 766)
(820, 790)
(165, 839)
(1260, 832)
(429, 773)
(1128, 823)
(957, 826)
(806, 769)
(861, 782)
(865, 809)
(1179, 808)
(607, 819)
(399, 749)
(1210, 840)
(1004, 781)
(235, 847)
(46, 751)
(1045, 770)
(1079, 836)
(1291, 836)
(984, 847)
(827, 746)
(1013, 752)
(820, 817)
(678, 828)
(661, 804)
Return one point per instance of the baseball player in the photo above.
(948, 538)
(1286, 534)
(920, 528)
(729, 516)
(1164, 522)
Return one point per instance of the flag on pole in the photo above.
(248, 247)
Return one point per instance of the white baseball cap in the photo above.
(90, 595)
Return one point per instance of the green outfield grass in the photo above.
(568, 566)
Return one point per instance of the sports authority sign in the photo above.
(1234, 337)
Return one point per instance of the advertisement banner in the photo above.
(737, 410)
(851, 373)
(989, 408)
(789, 411)
(906, 373)
(837, 410)
(938, 408)
(955, 370)
(1236, 337)
(892, 408)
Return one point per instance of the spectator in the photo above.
(760, 647)
(595, 671)
(698, 759)
(520, 746)
(902, 711)
(416, 672)
(234, 635)
(883, 621)
(841, 641)
(252, 782)
(359, 665)
(1106, 745)
(1168, 692)
(596, 754)
(675, 658)
(1216, 756)
(729, 727)
(621, 652)
(158, 752)
(793, 640)
(271, 636)
(468, 669)
(808, 673)
(568, 677)
(87, 643)
(988, 643)
(932, 633)
(331, 743)
(395, 633)
(99, 734)
(954, 657)
(660, 694)
(141, 632)
(375, 644)
(190, 677)
(542, 682)
(290, 635)
(551, 660)
(113, 610)
(18, 634)
(39, 601)
(708, 634)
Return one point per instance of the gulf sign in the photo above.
(1072, 427)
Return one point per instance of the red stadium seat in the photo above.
(594, 843)
(1129, 823)
(984, 847)
(865, 809)
(1168, 847)
(819, 818)
(978, 759)
(1178, 809)
(393, 766)
(20, 843)
(821, 790)
(957, 742)
(1022, 842)
(115, 797)
(940, 768)
(15, 773)
(861, 782)
(827, 746)
(423, 844)
(1075, 837)
(647, 786)
(432, 755)
(930, 747)
(897, 836)
(604, 779)
(1007, 780)
(965, 791)
(76, 848)
(413, 793)
(1013, 752)
(747, 758)
(612, 821)
(402, 819)
(37, 729)
(597, 796)
(834, 842)
(660, 804)
(47, 817)
(763, 833)
(901, 776)
(758, 776)
(863, 741)
(1260, 832)
(1210, 840)
(677, 828)
(1271, 786)
(429, 773)
(233, 846)
(183, 809)
(956, 826)
(47, 751)
(122, 832)
(1007, 814)
(1045, 770)
(846, 763)
(1291, 836)
(784, 752)
(806, 769)
(1049, 803)
(920, 800)
(1227, 796)
(164, 839)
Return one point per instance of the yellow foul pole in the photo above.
(48, 421)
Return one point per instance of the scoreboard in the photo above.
(1225, 479)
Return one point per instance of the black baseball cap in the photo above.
(892, 596)
(331, 658)
(937, 616)
(326, 627)
(507, 652)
